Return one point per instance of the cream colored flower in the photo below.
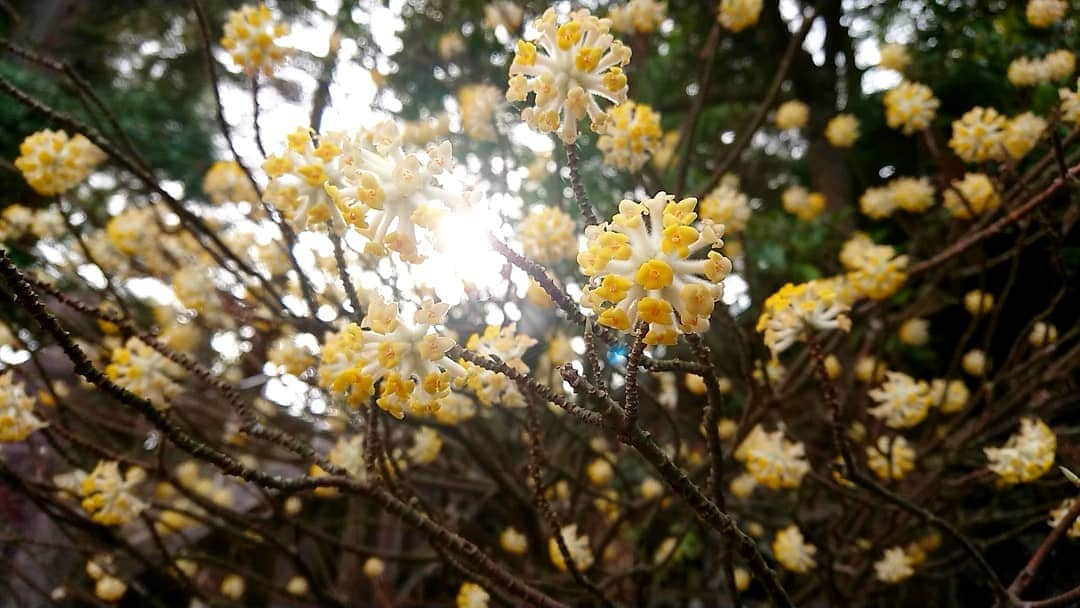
(842, 130)
(641, 16)
(1044, 13)
(894, 57)
(737, 15)
(979, 135)
(577, 547)
(631, 134)
(914, 332)
(891, 458)
(978, 196)
(792, 551)
(251, 37)
(910, 107)
(801, 203)
(1022, 134)
(894, 566)
(1026, 456)
(792, 115)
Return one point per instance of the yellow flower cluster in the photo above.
(1022, 133)
(471, 595)
(478, 103)
(426, 446)
(52, 163)
(903, 402)
(791, 114)
(1044, 13)
(107, 587)
(874, 271)
(107, 495)
(772, 460)
(892, 457)
(1058, 514)
(640, 268)
(302, 176)
(910, 107)
(842, 130)
(580, 63)
(289, 356)
(978, 302)
(631, 135)
(1070, 104)
(1042, 333)
(1028, 71)
(737, 15)
(950, 396)
(17, 419)
(1026, 456)
(251, 38)
(577, 546)
(894, 57)
(641, 16)
(802, 203)
(548, 235)
(225, 181)
(144, 371)
(408, 358)
(979, 135)
(795, 311)
(513, 542)
(894, 566)
(727, 205)
(792, 551)
(971, 196)
(509, 346)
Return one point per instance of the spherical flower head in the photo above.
(1022, 134)
(53, 164)
(409, 358)
(404, 191)
(1026, 456)
(503, 13)
(548, 235)
(974, 362)
(599, 472)
(512, 541)
(894, 57)
(233, 586)
(903, 402)
(471, 595)
(796, 311)
(1031, 71)
(978, 302)
(107, 494)
(842, 130)
(651, 489)
(641, 269)
(454, 409)
(869, 370)
(289, 356)
(306, 180)
(1058, 514)
(638, 16)
(772, 460)
(894, 566)
(803, 204)
(1070, 104)
(577, 547)
(17, 418)
(792, 551)
(251, 38)
(426, 446)
(979, 135)
(910, 107)
(450, 45)
(225, 181)
(914, 332)
(977, 195)
(737, 15)
(570, 67)
(195, 290)
(424, 131)
(727, 206)
(892, 458)
(632, 134)
(792, 115)
(509, 347)
(1044, 13)
(347, 453)
(854, 249)
(1060, 64)
(144, 371)
(478, 103)
(950, 396)
(373, 567)
(912, 194)
(297, 586)
(878, 272)
(1042, 334)
(877, 203)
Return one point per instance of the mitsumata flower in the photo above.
(408, 358)
(107, 495)
(577, 547)
(795, 311)
(478, 103)
(802, 203)
(737, 15)
(1028, 71)
(52, 163)
(972, 196)
(251, 38)
(640, 268)
(1022, 134)
(894, 566)
(300, 176)
(891, 458)
(1058, 514)
(17, 418)
(910, 107)
(641, 16)
(631, 135)
(949, 395)
(225, 181)
(1044, 13)
(1026, 456)
(471, 595)
(581, 62)
(792, 551)
(727, 206)
(772, 460)
(509, 347)
(903, 402)
(876, 271)
(792, 115)
(1070, 104)
(842, 130)
(894, 57)
(979, 135)
(426, 446)
(548, 235)
(144, 371)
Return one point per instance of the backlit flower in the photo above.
(251, 38)
(1026, 456)
(548, 235)
(580, 63)
(641, 16)
(640, 268)
(631, 135)
(509, 347)
(910, 107)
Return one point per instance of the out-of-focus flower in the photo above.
(1022, 134)
(978, 196)
(1029, 71)
(251, 37)
(737, 15)
(509, 347)
(792, 114)
(373, 567)
(1044, 13)
(1070, 104)
(1042, 333)
(903, 402)
(52, 164)
(478, 103)
(1058, 514)
(581, 62)
(912, 194)
(892, 457)
(914, 332)
(471, 595)
(910, 107)
(505, 13)
(772, 460)
(144, 371)
(641, 16)
(842, 130)
(225, 181)
(577, 547)
(894, 566)
(233, 586)
(17, 418)
(795, 311)
(792, 551)
(802, 203)
(949, 395)
(979, 135)
(978, 302)
(631, 134)
(974, 362)
(450, 45)
(728, 206)
(548, 235)
(513, 542)
(426, 446)
(1026, 456)
(107, 495)
(894, 57)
